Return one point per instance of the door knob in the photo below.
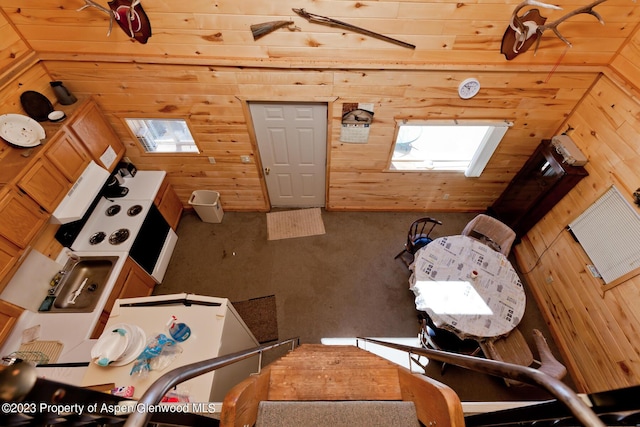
(267, 170)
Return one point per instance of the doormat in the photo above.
(260, 316)
(295, 223)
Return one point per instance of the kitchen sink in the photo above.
(81, 284)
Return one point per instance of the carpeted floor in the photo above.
(261, 317)
(343, 283)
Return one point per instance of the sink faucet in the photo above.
(73, 256)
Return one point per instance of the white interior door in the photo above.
(292, 140)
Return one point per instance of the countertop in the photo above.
(73, 330)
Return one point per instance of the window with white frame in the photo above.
(452, 145)
(163, 135)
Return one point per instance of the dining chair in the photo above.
(491, 232)
(443, 340)
(514, 349)
(419, 236)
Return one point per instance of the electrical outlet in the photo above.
(212, 160)
(245, 159)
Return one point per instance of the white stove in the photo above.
(113, 225)
(131, 224)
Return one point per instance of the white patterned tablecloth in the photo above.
(467, 287)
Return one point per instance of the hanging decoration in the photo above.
(259, 30)
(524, 30)
(317, 19)
(128, 14)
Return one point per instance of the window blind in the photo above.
(609, 232)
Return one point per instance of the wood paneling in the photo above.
(444, 32)
(208, 97)
(598, 332)
(12, 46)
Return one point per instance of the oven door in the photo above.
(154, 244)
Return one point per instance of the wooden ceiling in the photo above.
(452, 34)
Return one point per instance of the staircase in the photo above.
(339, 385)
(325, 385)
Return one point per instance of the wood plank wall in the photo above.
(598, 332)
(468, 32)
(210, 97)
(12, 46)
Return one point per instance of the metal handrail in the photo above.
(557, 388)
(166, 382)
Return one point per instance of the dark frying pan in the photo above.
(36, 105)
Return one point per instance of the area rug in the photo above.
(260, 316)
(294, 223)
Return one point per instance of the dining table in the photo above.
(467, 287)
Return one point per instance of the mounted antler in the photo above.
(91, 3)
(524, 30)
(128, 14)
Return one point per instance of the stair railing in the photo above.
(166, 382)
(557, 388)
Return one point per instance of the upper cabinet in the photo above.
(68, 154)
(45, 184)
(97, 135)
(20, 217)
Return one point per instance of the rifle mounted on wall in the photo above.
(317, 19)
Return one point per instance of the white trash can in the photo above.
(207, 205)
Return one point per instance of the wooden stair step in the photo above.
(334, 384)
(369, 414)
(316, 372)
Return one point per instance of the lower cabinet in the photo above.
(9, 255)
(132, 282)
(9, 314)
(169, 204)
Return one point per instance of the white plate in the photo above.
(21, 130)
(110, 346)
(137, 343)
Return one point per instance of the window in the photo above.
(163, 135)
(463, 146)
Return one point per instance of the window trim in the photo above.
(480, 158)
(141, 147)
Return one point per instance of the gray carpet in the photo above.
(344, 283)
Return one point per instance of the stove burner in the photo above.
(134, 210)
(97, 237)
(119, 236)
(112, 210)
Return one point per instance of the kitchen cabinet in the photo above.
(67, 154)
(96, 133)
(9, 314)
(9, 255)
(45, 184)
(169, 204)
(540, 184)
(132, 282)
(21, 217)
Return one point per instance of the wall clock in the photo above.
(469, 88)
